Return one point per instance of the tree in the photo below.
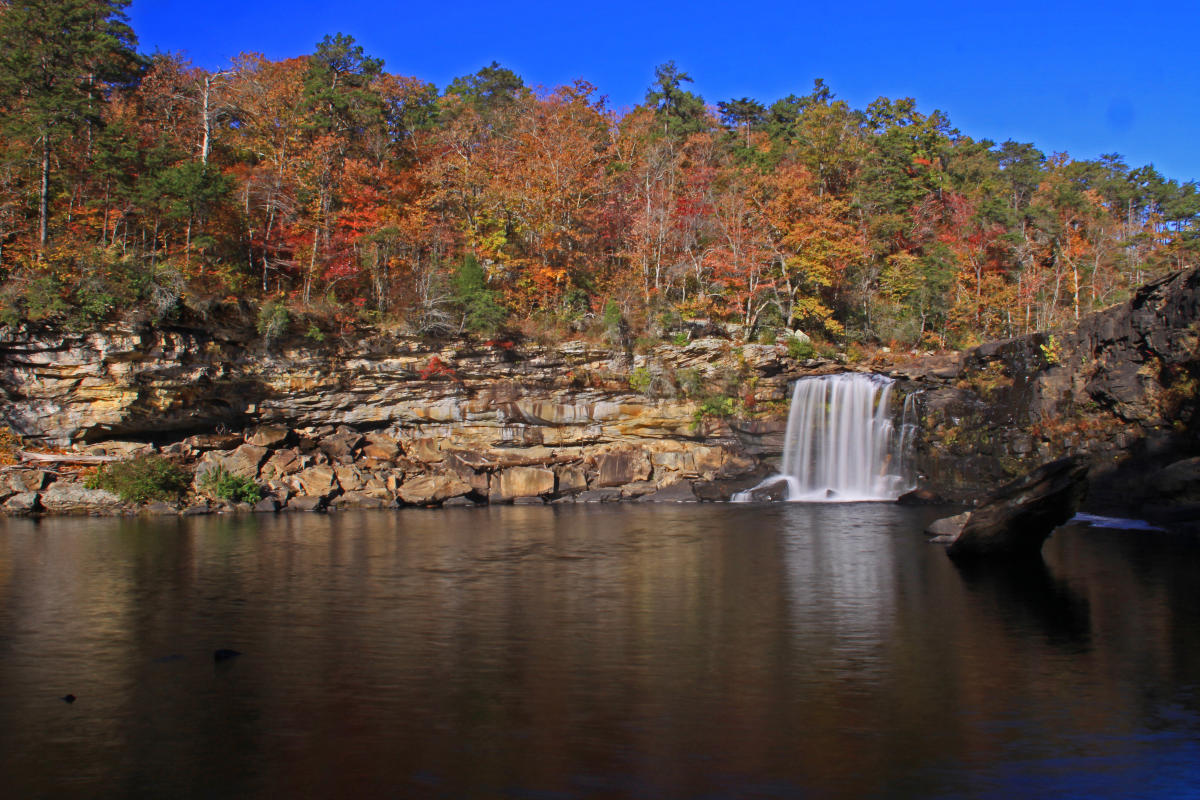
(744, 114)
(679, 111)
(58, 59)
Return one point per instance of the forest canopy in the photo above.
(136, 185)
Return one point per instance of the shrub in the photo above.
(800, 349)
(640, 380)
(222, 483)
(273, 319)
(720, 406)
(141, 479)
(1051, 351)
(680, 339)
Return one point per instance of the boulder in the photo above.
(340, 446)
(281, 463)
(1015, 520)
(306, 504)
(424, 450)
(773, 492)
(429, 489)
(242, 462)
(23, 503)
(319, 481)
(920, 497)
(349, 478)
(27, 480)
(680, 492)
(267, 505)
(599, 496)
(517, 482)
(360, 500)
(467, 467)
(381, 446)
(619, 467)
(459, 502)
(571, 478)
(1179, 481)
(72, 498)
(946, 529)
(123, 450)
(270, 436)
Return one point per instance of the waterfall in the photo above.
(841, 444)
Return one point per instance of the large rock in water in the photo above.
(1015, 520)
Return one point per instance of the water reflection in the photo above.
(711, 651)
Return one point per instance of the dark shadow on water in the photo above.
(1030, 597)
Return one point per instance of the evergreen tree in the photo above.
(58, 60)
(680, 112)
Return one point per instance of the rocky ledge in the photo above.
(375, 419)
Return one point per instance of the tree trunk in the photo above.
(44, 199)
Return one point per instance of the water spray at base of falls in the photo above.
(841, 444)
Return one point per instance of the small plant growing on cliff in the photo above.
(273, 319)
(640, 380)
(719, 406)
(141, 479)
(800, 349)
(1051, 352)
(222, 483)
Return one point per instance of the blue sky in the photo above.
(1082, 77)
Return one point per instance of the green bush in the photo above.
(640, 380)
(141, 479)
(800, 349)
(222, 483)
(720, 406)
(680, 339)
(717, 405)
(273, 319)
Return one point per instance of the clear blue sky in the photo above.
(1082, 77)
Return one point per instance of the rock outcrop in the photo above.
(1015, 520)
(371, 417)
(1120, 391)
(384, 419)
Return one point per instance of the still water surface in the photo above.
(532, 652)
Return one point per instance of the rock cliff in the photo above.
(367, 417)
(372, 418)
(1120, 390)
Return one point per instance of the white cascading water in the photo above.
(841, 445)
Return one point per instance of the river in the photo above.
(690, 651)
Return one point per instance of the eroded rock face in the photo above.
(1121, 391)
